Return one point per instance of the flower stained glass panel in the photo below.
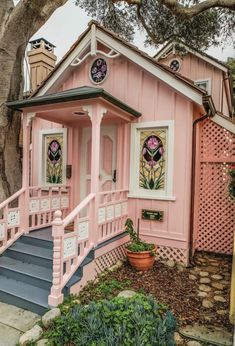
(98, 70)
(152, 165)
(54, 158)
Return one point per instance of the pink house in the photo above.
(112, 133)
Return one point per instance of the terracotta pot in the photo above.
(141, 260)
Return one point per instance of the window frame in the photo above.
(134, 190)
(204, 80)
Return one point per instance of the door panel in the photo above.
(107, 159)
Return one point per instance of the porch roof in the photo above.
(81, 93)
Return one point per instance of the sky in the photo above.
(69, 21)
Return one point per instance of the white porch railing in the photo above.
(12, 219)
(112, 213)
(79, 232)
(31, 209)
(73, 240)
(44, 201)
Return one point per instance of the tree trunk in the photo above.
(17, 25)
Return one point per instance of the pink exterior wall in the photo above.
(156, 101)
(196, 68)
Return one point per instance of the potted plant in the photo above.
(140, 254)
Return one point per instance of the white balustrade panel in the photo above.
(124, 208)
(45, 204)
(55, 203)
(34, 205)
(64, 202)
(83, 230)
(118, 210)
(101, 215)
(13, 218)
(110, 212)
(2, 230)
(70, 247)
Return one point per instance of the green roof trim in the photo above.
(81, 93)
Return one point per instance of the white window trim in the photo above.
(207, 80)
(42, 134)
(135, 191)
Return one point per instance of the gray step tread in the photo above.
(32, 250)
(26, 268)
(24, 291)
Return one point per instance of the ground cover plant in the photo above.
(139, 320)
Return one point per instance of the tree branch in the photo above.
(189, 12)
(155, 39)
(6, 6)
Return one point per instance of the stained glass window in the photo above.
(54, 158)
(152, 163)
(175, 65)
(98, 70)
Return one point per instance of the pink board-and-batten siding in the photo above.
(157, 102)
(196, 69)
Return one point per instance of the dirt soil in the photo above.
(178, 288)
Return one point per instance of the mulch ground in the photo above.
(172, 287)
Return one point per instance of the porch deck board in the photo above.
(44, 234)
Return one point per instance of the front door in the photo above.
(107, 175)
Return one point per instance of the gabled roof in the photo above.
(206, 57)
(95, 32)
(81, 93)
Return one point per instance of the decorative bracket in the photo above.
(30, 117)
(88, 109)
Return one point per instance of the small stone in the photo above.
(217, 285)
(77, 301)
(179, 341)
(219, 293)
(31, 335)
(117, 265)
(225, 282)
(203, 274)
(204, 288)
(207, 304)
(180, 267)
(202, 294)
(49, 317)
(205, 280)
(217, 277)
(42, 342)
(193, 343)
(220, 299)
(209, 318)
(222, 312)
(170, 263)
(192, 277)
(127, 294)
(212, 269)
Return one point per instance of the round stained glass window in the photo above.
(175, 65)
(98, 70)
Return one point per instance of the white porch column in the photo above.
(24, 201)
(95, 113)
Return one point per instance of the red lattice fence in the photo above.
(215, 211)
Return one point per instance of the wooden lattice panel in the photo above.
(109, 259)
(171, 253)
(215, 209)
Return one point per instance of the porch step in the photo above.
(31, 254)
(23, 295)
(26, 273)
(32, 274)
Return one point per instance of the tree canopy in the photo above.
(199, 23)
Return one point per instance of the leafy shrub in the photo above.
(137, 321)
(137, 245)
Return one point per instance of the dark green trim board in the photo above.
(81, 93)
